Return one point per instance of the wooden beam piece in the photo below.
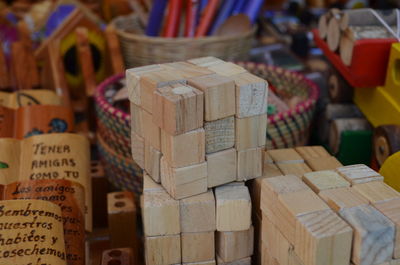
(219, 96)
(357, 174)
(376, 191)
(297, 169)
(249, 164)
(175, 148)
(250, 132)
(324, 180)
(323, 163)
(308, 152)
(197, 213)
(233, 208)
(221, 167)
(137, 147)
(342, 198)
(178, 108)
(287, 155)
(152, 161)
(231, 246)
(220, 134)
(151, 132)
(161, 250)
(197, 247)
(114, 50)
(137, 118)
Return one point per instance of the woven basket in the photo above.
(290, 128)
(114, 142)
(141, 50)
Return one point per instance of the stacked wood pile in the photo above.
(197, 125)
(335, 215)
(341, 29)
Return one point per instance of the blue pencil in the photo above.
(224, 12)
(239, 6)
(156, 17)
(252, 9)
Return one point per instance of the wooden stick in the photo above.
(114, 49)
(85, 59)
(4, 74)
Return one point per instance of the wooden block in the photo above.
(245, 261)
(251, 95)
(297, 169)
(324, 180)
(152, 159)
(197, 213)
(160, 214)
(122, 256)
(231, 246)
(122, 215)
(308, 152)
(376, 191)
(184, 149)
(391, 209)
(357, 174)
(184, 182)
(101, 185)
(250, 132)
(137, 119)
(161, 250)
(288, 155)
(133, 81)
(210, 262)
(323, 163)
(151, 132)
(84, 54)
(188, 70)
(249, 164)
(227, 69)
(137, 144)
(233, 208)
(149, 185)
(178, 108)
(220, 134)
(374, 233)
(339, 199)
(221, 167)
(277, 245)
(197, 247)
(219, 96)
(205, 61)
(323, 238)
(150, 81)
(255, 191)
(269, 168)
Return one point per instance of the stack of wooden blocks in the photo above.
(338, 215)
(197, 125)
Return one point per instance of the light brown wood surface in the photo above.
(342, 198)
(161, 250)
(287, 155)
(220, 134)
(357, 174)
(297, 169)
(323, 163)
(221, 167)
(137, 118)
(231, 246)
(324, 180)
(151, 132)
(249, 164)
(152, 160)
(197, 247)
(250, 132)
(376, 191)
(137, 148)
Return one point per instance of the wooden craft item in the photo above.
(219, 95)
(101, 185)
(160, 214)
(7, 120)
(251, 95)
(324, 180)
(162, 250)
(175, 148)
(184, 181)
(205, 61)
(298, 169)
(178, 108)
(249, 164)
(281, 156)
(9, 160)
(221, 167)
(233, 208)
(122, 256)
(29, 97)
(149, 185)
(53, 119)
(47, 236)
(250, 132)
(24, 68)
(69, 196)
(58, 156)
(245, 261)
(357, 174)
(376, 191)
(374, 235)
(210, 262)
(269, 168)
(122, 215)
(323, 163)
(85, 59)
(342, 198)
(197, 247)
(151, 132)
(114, 49)
(227, 69)
(391, 210)
(309, 152)
(197, 213)
(187, 70)
(231, 246)
(5, 81)
(136, 118)
(220, 134)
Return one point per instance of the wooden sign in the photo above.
(69, 196)
(39, 241)
(29, 97)
(9, 160)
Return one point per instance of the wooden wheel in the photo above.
(386, 142)
(339, 89)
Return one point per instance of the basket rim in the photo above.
(301, 107)
(179, 40)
